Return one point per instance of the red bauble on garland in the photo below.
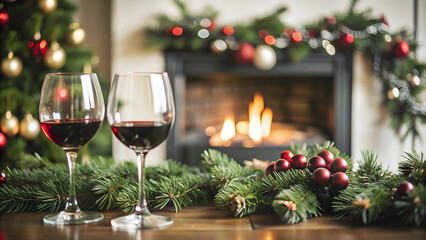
(339, 181)
(401, 49)
(4, 17)
(38, 47)
(286, 154)
(321, 177)
(245, 53)
(404, 188)
(316, 162)
(338, 165)
(270, 169)
(282, 165)
(3, 140)
(327, 156)
(298, 161)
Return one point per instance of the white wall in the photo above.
(370, 119)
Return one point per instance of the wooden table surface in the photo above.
(203, 223)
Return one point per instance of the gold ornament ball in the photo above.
(77, 36)
(47, 6)
(11, 66)
(29, 127)
(10, 124)
(55, 58)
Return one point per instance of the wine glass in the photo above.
(141, 113)
(71, 112)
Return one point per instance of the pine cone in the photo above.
(235, 203)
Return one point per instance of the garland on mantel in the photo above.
(259, 41)
(372, 194)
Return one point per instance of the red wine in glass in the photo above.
(71, 134)
(141, 134)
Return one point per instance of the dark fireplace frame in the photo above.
(338, 67)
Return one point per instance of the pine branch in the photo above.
(301, 149)
(364, 205)
(177, 191)
(413, 167)
(281, 180)
(240, 199)
(296, 204)
(369, 169)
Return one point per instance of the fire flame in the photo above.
(228, 129)
(258, 126)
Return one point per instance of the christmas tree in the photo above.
(36, 38)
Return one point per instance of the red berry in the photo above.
(326, 155)
(286, 154)
(404, 188)
(270, 169)
(338, 165)
(316, 162)
(321, 177)
(339, 181)
(282, 165)
(298, 161)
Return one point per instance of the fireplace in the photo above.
(218, 104)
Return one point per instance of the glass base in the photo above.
(138, 222)
(67, 218)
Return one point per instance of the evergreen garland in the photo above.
(102, 185)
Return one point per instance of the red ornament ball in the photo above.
(338, 165)
(3, 140)
(339, 181)
(326, 155)
(282, 165)
(38, 47)
(298, 161)
(270, 169)
(316, 162)
(4, 17)
(2, 178)
(286, 154)
(321, 177)
(346, 40)
(404, 188)
(401, 50)
(245, 53)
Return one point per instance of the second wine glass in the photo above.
(141, 113)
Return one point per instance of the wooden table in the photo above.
(203, 223)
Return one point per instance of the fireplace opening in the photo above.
(248, 113)
(255, 111)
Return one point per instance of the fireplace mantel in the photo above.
(339, 67)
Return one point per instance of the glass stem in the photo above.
(71, 205)
(142, 208)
